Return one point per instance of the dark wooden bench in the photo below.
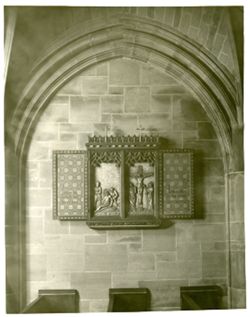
(201, 297)
(54, 301)
(129, 299)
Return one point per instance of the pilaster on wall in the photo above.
(14, 228)
(237, 287)
(236, 162)
(11, 230)
(235, 202)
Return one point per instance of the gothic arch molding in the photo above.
(134, 38)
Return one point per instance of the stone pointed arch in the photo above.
(136, 38)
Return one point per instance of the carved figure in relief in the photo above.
(139, 194)
(140, 186)
(145, 197)
(150, 196)
(132, 195)
(114, 197)
(98, 195)
(106, 201)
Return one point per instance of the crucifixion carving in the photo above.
(142, 194)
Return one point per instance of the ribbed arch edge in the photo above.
(138, 39)
(125, 22)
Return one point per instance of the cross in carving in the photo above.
(140, 129)
(107, 128)
(141, 173)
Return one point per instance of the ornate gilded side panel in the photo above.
(177, 199)
(70, 189)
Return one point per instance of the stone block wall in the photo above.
(125, 94)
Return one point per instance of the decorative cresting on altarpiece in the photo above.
(123, 181)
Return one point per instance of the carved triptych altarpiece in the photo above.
(126, 181)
